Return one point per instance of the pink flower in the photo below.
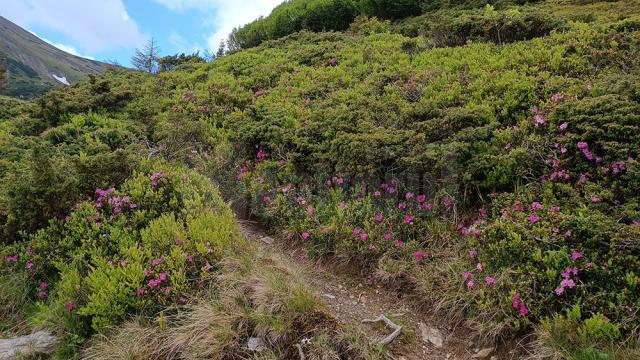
(41, 294)
(419, 255)
(422, 199)
(540, 120)
(207, 267)
(140, 292)
(409, 196)
(564, 126)
(399, 244)
(300, 200)
(575, 255)
(388, 237)
(467, 275)
(339, 181)
(364, 236)
(311, 210)
(595, 199)
(516, 301)
(479, 267)
(266, 199)
(554, 209)
(372, 247)
(559, 291)
(70, 306)
(43, 286)
(518, 207)
(379, 218)
(536, 206)
(447, 201)
(402, 206)
(523, 310)
(329, 183)
(534, 219)
(408, 219)
(182, 300)
(342, 205)
(568, 283)
(582, 145)
(471, 284)
(12, 258)
(29, 265)
(305, 235)
(377, 193)
(356, 231)
(473, 254)
(489, 280)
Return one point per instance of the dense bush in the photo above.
(133, 250)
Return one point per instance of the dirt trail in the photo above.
(352, 298)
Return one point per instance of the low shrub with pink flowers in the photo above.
(146, 246)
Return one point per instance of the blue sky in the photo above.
(112, 29)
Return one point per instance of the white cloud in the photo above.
(182, 45)
(67, 48)
(224, 15)
(96, 25)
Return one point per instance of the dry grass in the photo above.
(257, 294)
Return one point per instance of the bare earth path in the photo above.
(352, 298)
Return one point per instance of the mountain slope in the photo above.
(34, 66)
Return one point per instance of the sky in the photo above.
(111, 30)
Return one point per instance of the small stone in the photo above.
(483, 354)
(431, 335)
(329, 296)
(256, 344)
(355, 303)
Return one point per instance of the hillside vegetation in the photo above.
(481, 160)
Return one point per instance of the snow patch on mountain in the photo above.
(62, 79)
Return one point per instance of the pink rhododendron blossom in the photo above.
(479, 267)
(567, 283)
(539, 120)
(41, 294)
(534, 219)
(207, 267)
(536, 206)
(471, 284)
(262, 154)
(402, 206)
(489, 280)
(12, 258)
(467, 275)
(388, 237)
(342, 205)
(409, 196)
(356, 231)
(564, 126)
(70, 306)
(29, 265)
(595, 199)
(377, 193)
(266, 199)
(305, 235)
(43, 285)
(419, 255)
(372, 247)
(379, 218)
(447, 201)
(329, 183)
(339, 181)
(364, 236)
(140, 291)
(408, 219)
(422, 199)
(391, 190)
(311, 210)
(554, 209)
(575, 255)
(518, 207)
(429, 206)
(399, 244)
(473, 254)
(582, 145)
(559, 291)
(300, 200)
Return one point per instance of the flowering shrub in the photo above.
(137, 249)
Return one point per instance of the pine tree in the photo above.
(221, 50)
(146, 59)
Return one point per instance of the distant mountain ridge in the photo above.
(35, 66)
